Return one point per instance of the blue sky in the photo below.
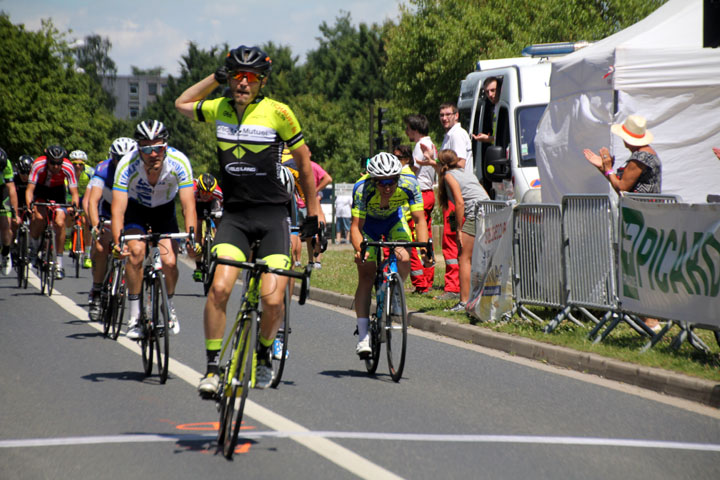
(154, 33)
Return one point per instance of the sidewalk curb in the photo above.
(656, 379)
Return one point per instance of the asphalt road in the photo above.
(77, 405)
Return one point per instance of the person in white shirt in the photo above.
(416, 128)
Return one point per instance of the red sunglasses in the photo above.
(252, 77)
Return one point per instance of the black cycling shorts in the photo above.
(268, 223)
(160, 219)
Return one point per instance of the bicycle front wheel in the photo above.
(77, 249)
(236, 383)
(117, 304)
(51, 263)
(395, 324)
(161, 327)
(374, 330)
(280, 346)
(21, 257)
(146, 344)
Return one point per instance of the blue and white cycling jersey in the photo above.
(103, 178)
(130, 177)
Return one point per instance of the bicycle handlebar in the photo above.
(156, 236)
(262, 267)
(382, 244)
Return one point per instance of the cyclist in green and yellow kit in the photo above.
(250, 130)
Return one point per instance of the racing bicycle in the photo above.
(388, 322)
(237, 368)
(154, 307)
(47, 254)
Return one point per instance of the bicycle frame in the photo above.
(22, 249)
(156, 330)
(236, 374)
(48, 261)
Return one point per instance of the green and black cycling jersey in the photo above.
(250, 150)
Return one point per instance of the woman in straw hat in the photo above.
(642, 172)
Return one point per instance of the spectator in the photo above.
(458, 140)
(322, 180)
(642, 172)
(343, 205)
(491, 91)
(417, 128)
(464, 190)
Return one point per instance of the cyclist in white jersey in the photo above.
(146, 182)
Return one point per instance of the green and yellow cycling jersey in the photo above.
(250, 150)
(7, 175)
(366, 198)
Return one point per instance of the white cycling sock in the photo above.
(59, 260)
(134, 307)
(362, 325)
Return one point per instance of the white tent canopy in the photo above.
(658, 69)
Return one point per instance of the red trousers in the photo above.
(450, 252)
(421, 277)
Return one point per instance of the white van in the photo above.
(507, 168)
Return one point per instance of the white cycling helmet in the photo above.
(121, 147)
(287, 179)
(384, 165)
(78, 155)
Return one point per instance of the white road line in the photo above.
(403, 437)
(333, 452)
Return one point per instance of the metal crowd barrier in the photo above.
(589, 262)
(537, 258)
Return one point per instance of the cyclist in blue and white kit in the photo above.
(99, 194)
(146, 183)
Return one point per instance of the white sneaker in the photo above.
(317, 266)
(174, 322)
(209, 385)
(363, 347)
(134, 331)
(6, 265)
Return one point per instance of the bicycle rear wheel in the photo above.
(160, 327)
(282, 336)
(237, 383)
(395, 329)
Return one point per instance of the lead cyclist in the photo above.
(250, 130)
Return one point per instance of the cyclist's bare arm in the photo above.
(29, 194)
(184, 103)
(301, 156)
(74, 196)
(92, 208)
(187, 201)
(356, 236)
(118, 207)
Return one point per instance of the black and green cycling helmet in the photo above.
(248, 59)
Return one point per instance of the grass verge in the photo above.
(338, 274)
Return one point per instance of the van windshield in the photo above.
(527, 122)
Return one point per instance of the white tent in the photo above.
(656, 68)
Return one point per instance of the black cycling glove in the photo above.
(221, 74)
(309, 227)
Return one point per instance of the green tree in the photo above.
(194, 139)
(448, 37)
(92, 55)
(44, 99)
